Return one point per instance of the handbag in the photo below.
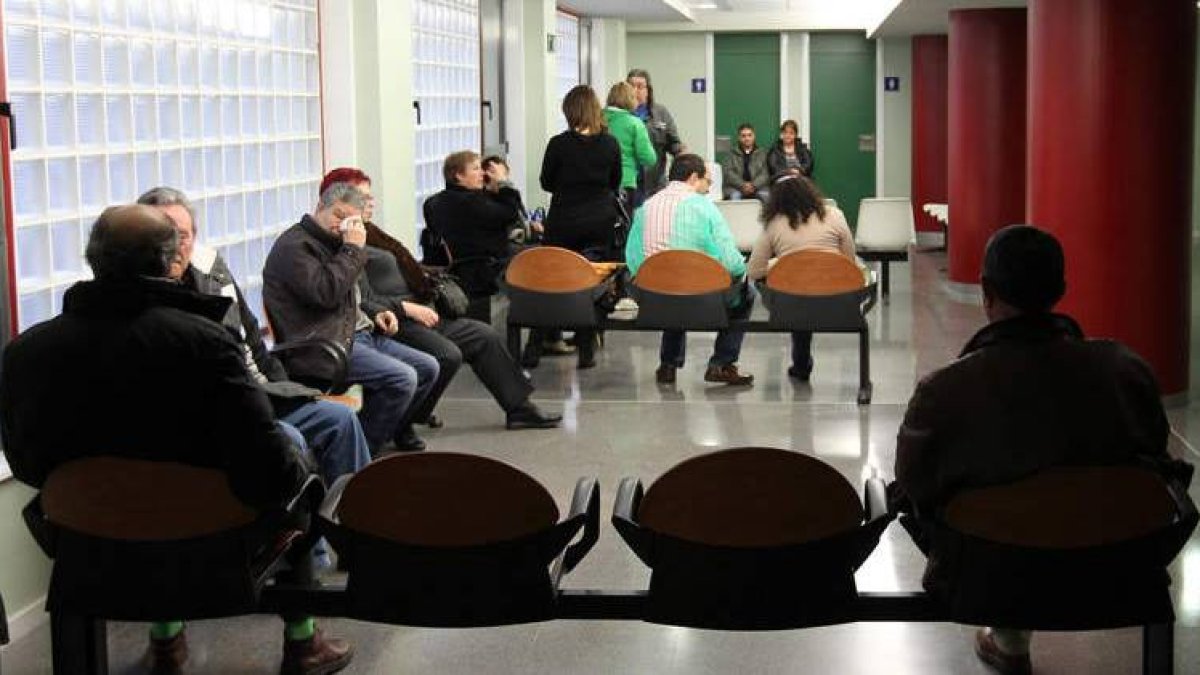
(449, 299)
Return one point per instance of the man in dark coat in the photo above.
(143, 367)
(1028, 392)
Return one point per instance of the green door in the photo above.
(746, 85)
(843, 117)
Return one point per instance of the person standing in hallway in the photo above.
(1028, 392)
(637, 152)
(789, 155)
(664, 135)
(796, 218)
(745, 168)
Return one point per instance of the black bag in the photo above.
(448, 297)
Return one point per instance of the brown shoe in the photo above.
(727, 374)
(168, 656)
(665, 374)
(990, 653)
(317, 655)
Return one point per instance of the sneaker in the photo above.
(728, 374)
(626, 305)
(557, 347)
(317, 655)
(1004, 663)
(168, 656)
(665, 374)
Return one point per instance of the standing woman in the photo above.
(795, 217)
(663, 133)
(582, 170)
(637, 153)
(789, 155)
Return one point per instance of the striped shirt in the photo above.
(680, 218)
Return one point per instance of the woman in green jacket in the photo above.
(637, 153)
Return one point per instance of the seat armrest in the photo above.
(335, 351)
(333, 497)
(311, 493)
(875, 499)
(872, 293)
(629, 498)
(40, 528)
(586, 504)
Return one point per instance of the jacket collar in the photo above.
(314, 229)
(127, 298)
(1025, 329)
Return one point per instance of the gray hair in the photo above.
(132, 241)
(169, 196)
(342, 193)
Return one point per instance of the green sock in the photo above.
(300, 630)
(165, 630)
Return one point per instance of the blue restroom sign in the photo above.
(891, 83)
(699, 85)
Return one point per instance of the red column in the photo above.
(929, 54)
(1110, 166)
(986, 132)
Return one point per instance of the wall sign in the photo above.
(699, 85)
(891, 83)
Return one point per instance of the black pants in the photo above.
(453, 341)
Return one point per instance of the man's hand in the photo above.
(386, 322)
(497, 172)
(421, 314)
(355, 234)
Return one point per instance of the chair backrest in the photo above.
(751, 497)
(716, 189)
(680, 272)
(550, 269)
(742, 217)
(1066, 508)
(815, 273)
(885, 224)
(139, 500)
(445, 499)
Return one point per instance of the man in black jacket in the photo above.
(123, 338)
(310, 287)
(330, 430)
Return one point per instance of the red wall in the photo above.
(929, 111)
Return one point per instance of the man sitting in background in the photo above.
(144, 370)
(745, 168)
(1028, 392)
(330, 430)
(681, 217)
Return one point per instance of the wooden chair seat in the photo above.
(815, 273)
(141, 500)
(549, 269)
(680, 272)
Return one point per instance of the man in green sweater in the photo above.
(682, 217)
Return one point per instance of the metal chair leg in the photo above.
(78, 644)
(864, 366)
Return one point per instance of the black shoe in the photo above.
(408, 440)
(434, 422)
(665, 374)
(528, 416)
(801, 375)
(586, 362)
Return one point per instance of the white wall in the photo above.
(672, 60)
(608, 49)
(24, 569)
(795, 75)
(893, 118)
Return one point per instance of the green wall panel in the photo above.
(746, 85)
(843, 109)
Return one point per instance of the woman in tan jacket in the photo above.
(795, 218)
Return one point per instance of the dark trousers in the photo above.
(727, 348)
(453, 341)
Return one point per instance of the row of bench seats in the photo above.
(739, 539)
(553, 288)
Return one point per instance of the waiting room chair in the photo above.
(743, 219)
(553, 288)
(454, 540)
(1069, 548)
(138, 540)
(750, 539)
(682, 290)
(825, 292)
(884, 232)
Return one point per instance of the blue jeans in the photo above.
(735, 195)
(334, 437)
(728, 347)
(395, 379)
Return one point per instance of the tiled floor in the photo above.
(619, 423)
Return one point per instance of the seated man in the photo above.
(124, 340)
(395, 281)
(745, 168)
(681, 217)
(1028, 392)
(330, 430)
(310, 288)
(475, 215)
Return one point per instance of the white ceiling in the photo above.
(631, 10)
(931, 17)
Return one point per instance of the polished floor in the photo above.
(619, 423)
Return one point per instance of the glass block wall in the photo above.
(446, 85)
(112, 97)
(566, 56)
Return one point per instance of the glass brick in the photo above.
(93, 185)
(33, 254)
(29, 183)
(63, 185)
(23, 57)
